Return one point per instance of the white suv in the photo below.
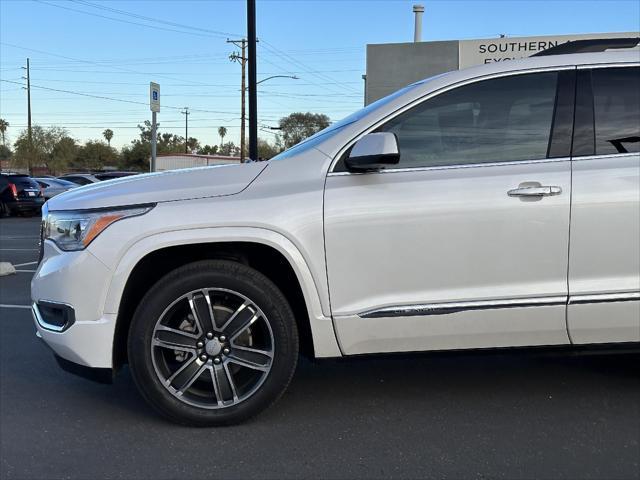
(496, 206)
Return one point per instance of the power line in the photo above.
(121, 69)
(285, 56)
(156, 20)
(124, 21)
(102, 97)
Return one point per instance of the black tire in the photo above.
(4, 210)
(213, 274)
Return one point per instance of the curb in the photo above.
(6, 269)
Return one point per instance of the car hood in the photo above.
(191, 183)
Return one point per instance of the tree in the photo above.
(298, 126)
(208, 150)
(193, 145)
(94, 155)
(145, 131)
(3, 128)
(266, 150)
(229, 149)
(222, 131)
(136, 156)
(42, 150)
(62, 155)
(5, 153)
(108, 135)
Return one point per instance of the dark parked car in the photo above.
(80, 178)
(112, 175)
(19, 194)
(53, 186)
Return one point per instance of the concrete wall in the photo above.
(174, 162)
(391, 66)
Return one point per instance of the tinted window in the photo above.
(23, 181)
(78, 180)
(616, 104)
(499, 120)
(63, 183)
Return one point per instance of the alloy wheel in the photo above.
(212, 348)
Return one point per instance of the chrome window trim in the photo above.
(604, 298)
(455, 307)
(454, 167)
(605, 155)
(435, 93)
(608, 65)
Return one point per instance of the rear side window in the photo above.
(498, 120)
(79, 180)
(23, 181)
(616, 108)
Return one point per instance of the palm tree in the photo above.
(222, 131)
(108, 134)
(3, 128)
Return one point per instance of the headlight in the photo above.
(74, 230)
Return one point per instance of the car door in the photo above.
(604, 266)
(464, 243)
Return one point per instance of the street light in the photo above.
(293, 77)
(275, 76)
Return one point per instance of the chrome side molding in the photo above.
(604, 298)
(455, 307)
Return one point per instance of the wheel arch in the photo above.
(277, 258)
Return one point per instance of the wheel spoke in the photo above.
(223, 384)
(174, 339)
(241, 319)
(251, 358)
(180, 341)
(201, 310)
(188, 373)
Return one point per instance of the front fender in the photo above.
(324, 340)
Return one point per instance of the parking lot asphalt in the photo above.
(514, 415)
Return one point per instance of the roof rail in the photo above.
(586, 46)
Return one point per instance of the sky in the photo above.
(83, 49)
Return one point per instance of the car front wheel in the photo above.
(213, 343)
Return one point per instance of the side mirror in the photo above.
(373, 152)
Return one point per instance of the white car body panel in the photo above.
(447, 235)
(605, 249)
(166, 186)
(285, 204)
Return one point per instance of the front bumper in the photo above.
(26, 205)
(77, 282)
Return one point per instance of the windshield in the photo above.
(335, 127)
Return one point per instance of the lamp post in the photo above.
(277, 76)
(293, 77)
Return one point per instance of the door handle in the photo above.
(535, 191)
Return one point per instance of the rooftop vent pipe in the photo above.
(417, 34)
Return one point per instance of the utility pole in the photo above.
(242, 60)
(29, 136)
(253, 80)
(186, 114)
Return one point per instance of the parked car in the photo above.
(437, 218)
(112, 175)
(53, 186)
(19, 194)
(80, 178)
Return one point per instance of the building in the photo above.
(392, 66)
(174, 161)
